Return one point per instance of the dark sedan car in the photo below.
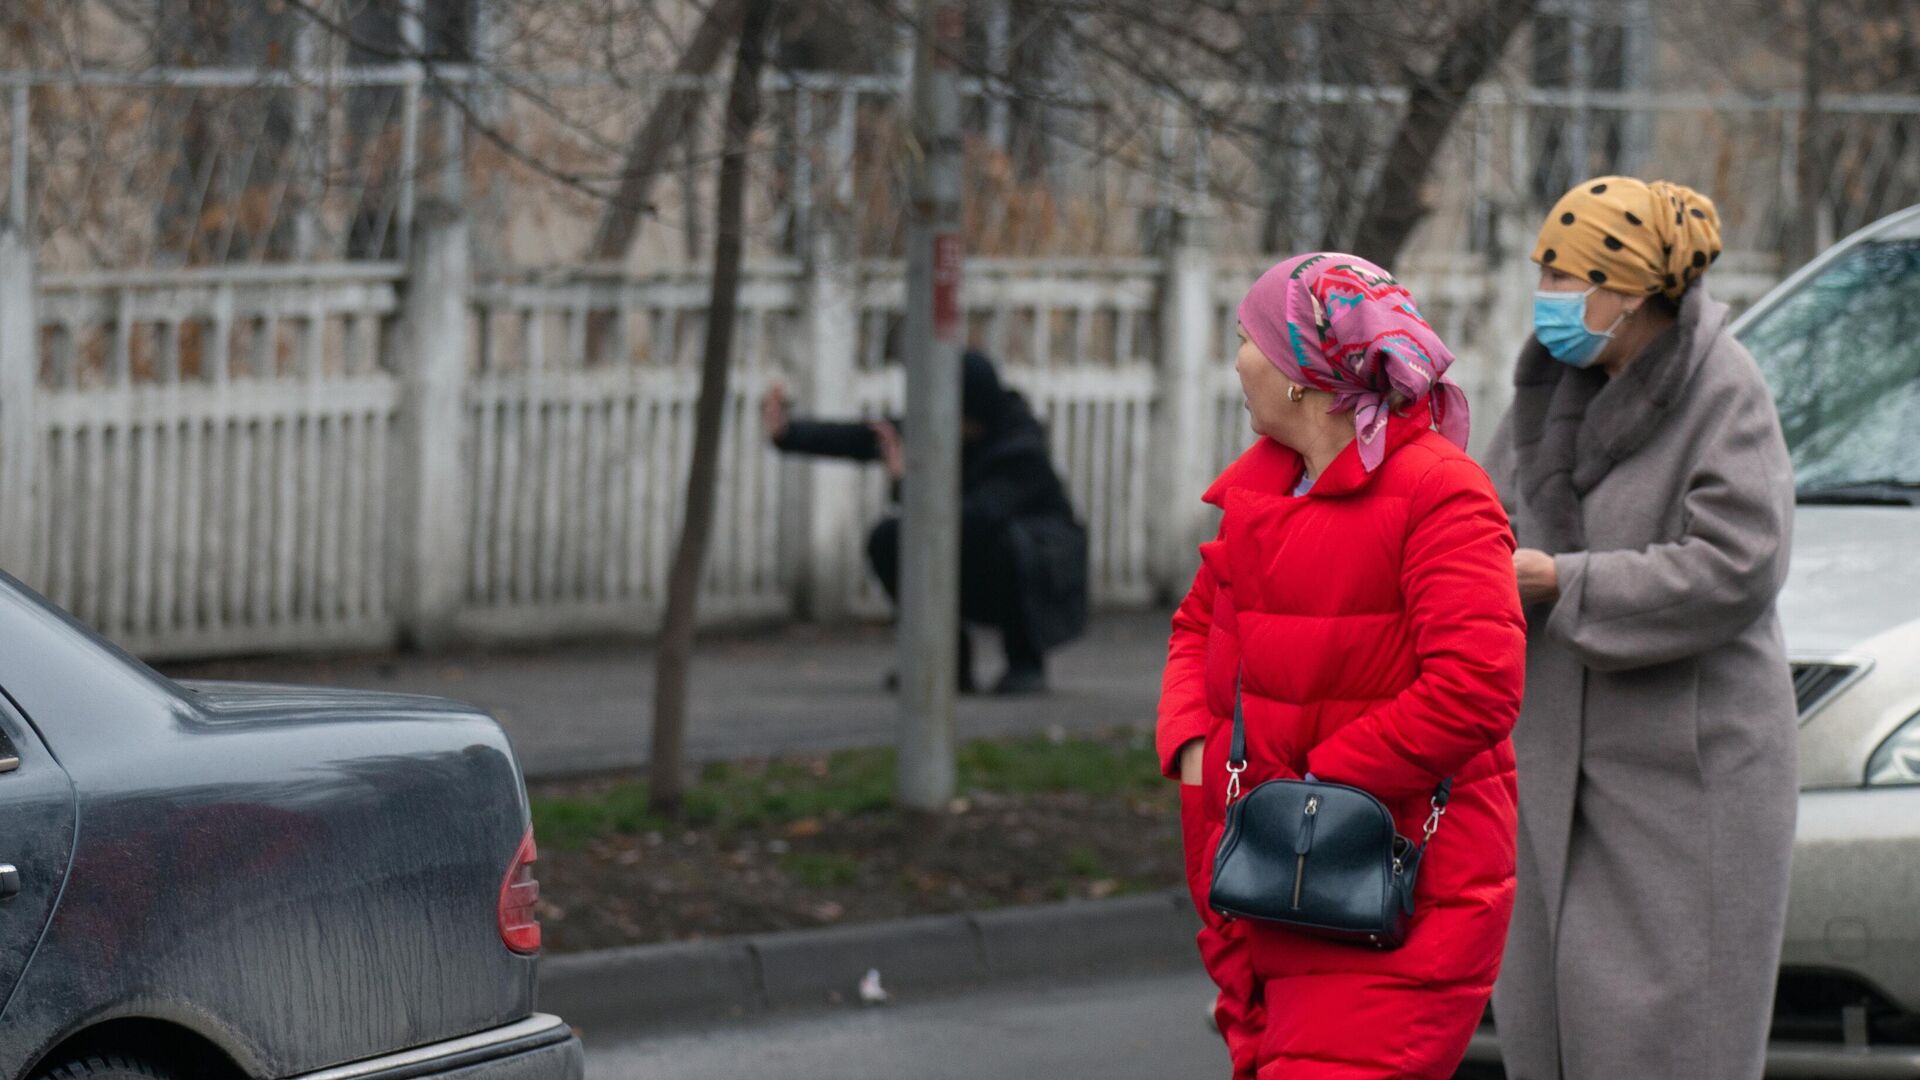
(220, 881)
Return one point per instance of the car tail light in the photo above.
(519, 924)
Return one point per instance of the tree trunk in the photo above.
(675, 656)
(1395, 207)
(652, 148)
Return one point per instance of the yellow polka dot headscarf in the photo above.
(1630, 236)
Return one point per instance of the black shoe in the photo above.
(1022, 680)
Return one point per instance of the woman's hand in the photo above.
(773, 412)
(1539, 581)
(891, 451)
(1190, 761)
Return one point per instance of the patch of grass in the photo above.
(571, 822)
(1041, 765)
(1085, 862)
(731, 796)
(820, 871)
(748, 796)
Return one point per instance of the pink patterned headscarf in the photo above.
(1339, 323)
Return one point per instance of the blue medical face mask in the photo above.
(1560, 322)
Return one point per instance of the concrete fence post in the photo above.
(432, 543)
(826, 533)
(19, 383)
(1183, 423)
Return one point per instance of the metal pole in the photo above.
(999, 21)
(1579, 61)
(414, 40)
(1810, 196)
(17, 189)
(453, 153)
(930, 548)
(804, 143)
(305, 181)
(1307, 118)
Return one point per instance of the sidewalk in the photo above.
(585, 708)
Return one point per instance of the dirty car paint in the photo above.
(303, 877)
(36, 838)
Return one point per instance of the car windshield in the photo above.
(1842, 354)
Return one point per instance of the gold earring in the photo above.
(1296, 393)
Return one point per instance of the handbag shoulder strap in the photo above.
(1237, 762)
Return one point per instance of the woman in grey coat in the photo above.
(1644, 469)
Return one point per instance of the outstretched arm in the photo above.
(823, 438)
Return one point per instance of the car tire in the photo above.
(104, 1067)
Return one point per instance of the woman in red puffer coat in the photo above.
(1361, 587)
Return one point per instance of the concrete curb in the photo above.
(710, 980)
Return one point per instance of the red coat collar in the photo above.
(1269, 467)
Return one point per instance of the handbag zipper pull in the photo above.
(1302, 843)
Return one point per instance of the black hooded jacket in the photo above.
(1007, 480)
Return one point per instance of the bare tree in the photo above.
(1852, 162)
(1434, 99)
(666, 128)
(675, 655)
(1211, 70)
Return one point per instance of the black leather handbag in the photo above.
(1323, 859)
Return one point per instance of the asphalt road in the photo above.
(1149, 1026)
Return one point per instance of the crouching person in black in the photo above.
(1023, 556)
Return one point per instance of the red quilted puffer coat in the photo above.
(1383, 646)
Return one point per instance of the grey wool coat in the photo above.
(1656, 745)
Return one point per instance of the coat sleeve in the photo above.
(827, 438)
(1183, 682)
(1626, 609)
(1469, 639)
(1502, 466)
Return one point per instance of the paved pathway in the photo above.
(583, 708)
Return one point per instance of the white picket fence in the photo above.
(576, 462)
(212, 457)
(335, 456)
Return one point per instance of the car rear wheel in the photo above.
(105, 1067)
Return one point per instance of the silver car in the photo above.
(1840, 344)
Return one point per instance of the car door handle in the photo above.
(9, 881)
